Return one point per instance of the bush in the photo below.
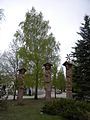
(68, 108)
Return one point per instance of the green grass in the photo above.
(29, 111)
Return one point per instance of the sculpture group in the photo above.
(47, 81)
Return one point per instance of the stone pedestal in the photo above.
(47, 81)
(68, 66)
(20, 85)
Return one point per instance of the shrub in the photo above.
(68, 108)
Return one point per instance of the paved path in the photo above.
(63, 95)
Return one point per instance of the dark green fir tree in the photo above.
(81, 55)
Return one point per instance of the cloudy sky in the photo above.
(65, 17)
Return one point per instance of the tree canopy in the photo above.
(38, 45)
(1, 14)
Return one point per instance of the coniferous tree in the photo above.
(81, 76)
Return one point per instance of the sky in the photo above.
(65, 18)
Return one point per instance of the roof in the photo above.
(49, 64)
(67, 63)
(21, 69)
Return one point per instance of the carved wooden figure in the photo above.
(68, 66)
(47, 81)
(20, 85)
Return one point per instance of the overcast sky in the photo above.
(65, 17)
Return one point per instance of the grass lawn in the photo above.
(29, 111)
